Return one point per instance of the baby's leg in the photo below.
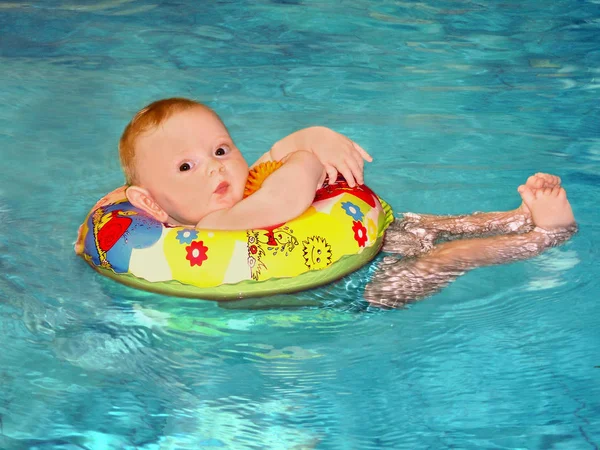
(401, 281)
(429, 228)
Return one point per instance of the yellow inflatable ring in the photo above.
(341, 231)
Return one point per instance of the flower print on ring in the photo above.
(353, 210)
(196, 253)
(360, 233)
(255, 254)
(186, 236)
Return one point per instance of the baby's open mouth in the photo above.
(222, 188)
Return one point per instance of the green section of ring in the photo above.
(389, 215)
(250, 288)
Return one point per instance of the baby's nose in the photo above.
(216, 167)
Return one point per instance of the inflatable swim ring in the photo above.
(340, 232)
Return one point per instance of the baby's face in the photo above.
(190, 166)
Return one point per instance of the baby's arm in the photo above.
(283, 196)
(335, 151)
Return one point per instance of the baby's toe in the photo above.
(536, 182)
(556, 180)
(551, 180)
(527, 194)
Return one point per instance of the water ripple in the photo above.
(458, 103)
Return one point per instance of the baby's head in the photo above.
(180, 162)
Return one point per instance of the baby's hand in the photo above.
(337, 153)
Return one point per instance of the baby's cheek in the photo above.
(190, 211)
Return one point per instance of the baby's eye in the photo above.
(222, 151)
(185, 167)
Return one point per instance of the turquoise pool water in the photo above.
(458, 101)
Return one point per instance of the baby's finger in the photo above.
(362, 152)
(332, 174)
(359, 160)
(356, 169)
(348, 175)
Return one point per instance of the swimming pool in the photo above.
(458, 102)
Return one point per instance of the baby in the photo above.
(183, 168)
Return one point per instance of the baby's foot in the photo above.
(538, 181)
(542, 180)
(549, 207)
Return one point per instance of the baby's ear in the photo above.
(141, 199)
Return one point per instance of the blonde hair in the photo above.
(148, 118)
